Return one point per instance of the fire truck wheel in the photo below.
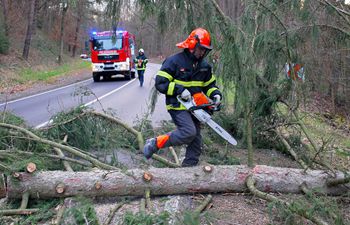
(133, 75)
(127, 76)
(96, 77)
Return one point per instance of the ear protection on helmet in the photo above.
(193, 41)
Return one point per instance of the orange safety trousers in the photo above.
(162, 140)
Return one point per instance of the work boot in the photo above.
(187, 164)
(150, 148)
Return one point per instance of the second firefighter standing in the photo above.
(141, 61)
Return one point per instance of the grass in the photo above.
(326, 134)
(29, 74)
(318, 127)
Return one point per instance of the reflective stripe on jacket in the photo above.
(179, 72)
(143, 61)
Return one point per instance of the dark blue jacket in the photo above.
(182, 71)
(143, 63)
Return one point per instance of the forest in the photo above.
(283, 67)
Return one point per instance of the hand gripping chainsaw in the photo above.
(204, 117)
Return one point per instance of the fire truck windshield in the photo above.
(108, 43)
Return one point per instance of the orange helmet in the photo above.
(197, 36)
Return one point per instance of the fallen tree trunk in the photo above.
(167, 181)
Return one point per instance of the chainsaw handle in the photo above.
(204, 106)
(211, 105)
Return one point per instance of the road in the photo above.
(126, 99)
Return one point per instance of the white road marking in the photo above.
(91, 102)
(42, 93)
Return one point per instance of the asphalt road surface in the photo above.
(126, 99)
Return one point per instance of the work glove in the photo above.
(217, 100)
(186, 95)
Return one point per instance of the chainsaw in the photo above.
(199, 112)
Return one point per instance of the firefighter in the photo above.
(141, 61)
(188, 75)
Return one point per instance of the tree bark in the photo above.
(30, 29)
(5, 15)
(2, 186)
(169, 181)
(64, 10)
(79, 12)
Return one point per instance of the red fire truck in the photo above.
(112, 54)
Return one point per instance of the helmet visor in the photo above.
(208, 47)
(200, 52)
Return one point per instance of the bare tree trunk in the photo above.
(79, 9)
(64, 10)
(30, 29)
(5, 15)
(35, 16)
(168, 181)
(249, 127)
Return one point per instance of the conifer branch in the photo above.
(321, 25)
(62, 147)
(251, 186)
(127, 127)
(290, 150)
(65, 158)
(342, 13)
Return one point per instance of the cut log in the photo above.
(31, 167)
(168, 181)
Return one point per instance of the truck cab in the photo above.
(112, 53)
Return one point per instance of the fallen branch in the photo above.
(138, 135)
(172, 151)
(63, 123)
(5, 168)
(10, 212)
(338, 181)
(60, 214)
(148, 198)
(25, 199)
(60, 153)
(3, 190)
(11, 152)
(306, 191)
(203, 205)
(290, 150)
(271, 198)
(142, 205)
(63, 147)
(304, 129)
(112, 213)
(22, 210)
(165, 161)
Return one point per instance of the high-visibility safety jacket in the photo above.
(181, 71)
(141, 61)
